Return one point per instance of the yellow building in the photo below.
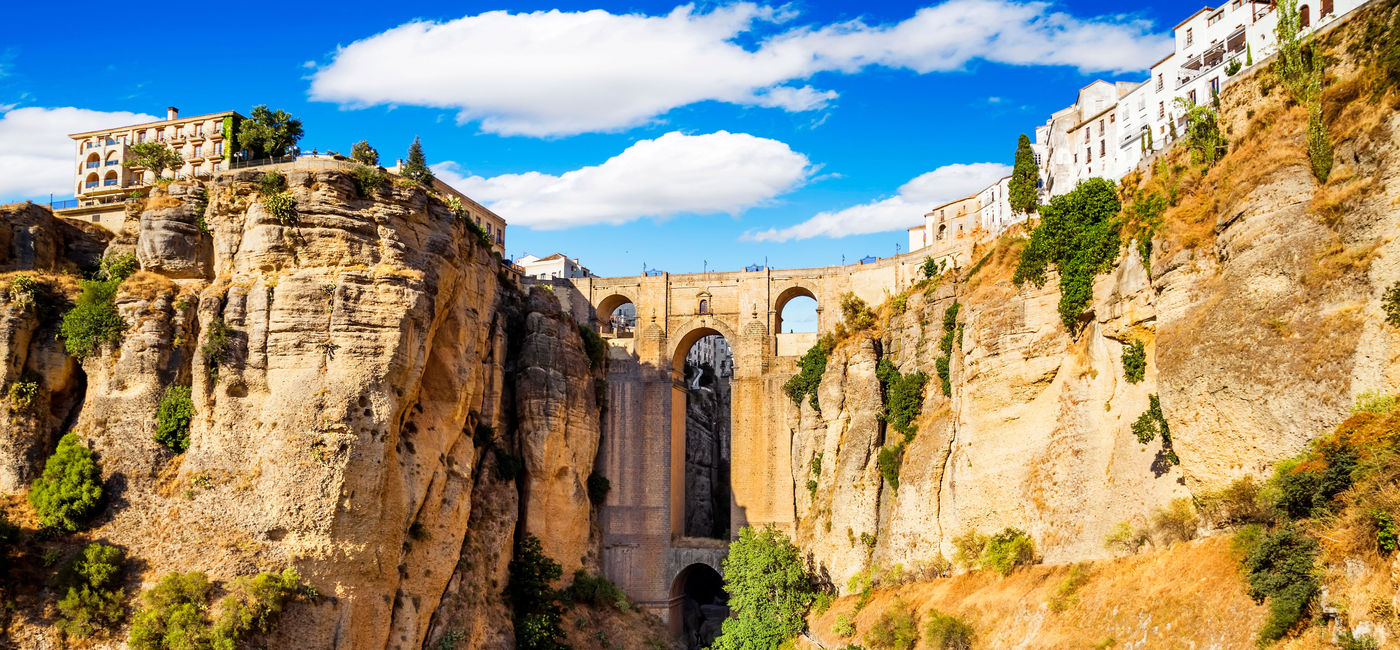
(101, 183)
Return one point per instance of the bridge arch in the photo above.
(699, 604)
(695, 330)
(616, 304)
(786, 296)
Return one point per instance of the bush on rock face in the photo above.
(70, 488)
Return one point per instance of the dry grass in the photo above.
(63, 283)
(1340, 262)
(144, 285)
(1188, 596)
(1343, 191)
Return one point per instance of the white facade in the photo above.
(552, 267)
(995, 213)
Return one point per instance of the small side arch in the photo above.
(616, 314)
(699, 605)
(787, 295)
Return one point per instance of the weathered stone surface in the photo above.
(170, 241)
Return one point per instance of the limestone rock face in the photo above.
(354, 370)
(32, 238)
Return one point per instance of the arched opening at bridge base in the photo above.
(705, 365)
(699, 606)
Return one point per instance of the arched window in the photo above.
(1303, 20)
(704, 306)
(110, 178)
(1326, 9)
(942, 230)
(91, 181)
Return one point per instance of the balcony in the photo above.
(90, 185)
(93, 164)
(113, 161)
(111, 182)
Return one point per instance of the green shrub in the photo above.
(1319, 144)
(1390, 304)
(93, 320)
(115, 268)
(1304, 489)
(21, 394)
(1387, 531)
(93, 598)
(889, 460)
(897, 628)
(816, 465)
(843, 627)
(253, 608)
(270, 184)
(931, 268)
(24, 291)
(946, 632)
(1239, 504)
(598, 488)
(903, 396)
(1134, 362)
(361, 152)
(593, 345)
(867, 540)
(508, 465)
(863, 583)
(172, 614)
(1125, 537)
(812, 486)
(70, 488)
(537, 612)
(281, 206)
(945, 345)
(218, 341)
(1177, 522)
(1233, 67)
(1280, 569)
(855, 313)
(1079, 235)
(597, 591)
(1203, 137)
(1347, 641)
(1007, 550)
(1153, 423)
(967, 549)
(1066, 594)
(1374, 402)
(173, 418)
(769, 591)
(809, 374)
(367, 179)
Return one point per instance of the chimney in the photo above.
(171, 113)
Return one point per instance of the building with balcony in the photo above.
(949, 230)
(102, 182)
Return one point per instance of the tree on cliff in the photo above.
(416, 167)
(70, 488)
(1024, 175)
(154, 156)
(361, 152)
(769, 591)
(534, 601)
(268, 133)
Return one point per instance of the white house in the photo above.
(552, 267)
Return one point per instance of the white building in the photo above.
(995, 213)
(552, 267)
(1082, 138)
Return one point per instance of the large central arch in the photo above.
(718, 488)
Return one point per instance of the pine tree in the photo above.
(361, 152)
(1023, 178)
(70, 487)
(416, 168)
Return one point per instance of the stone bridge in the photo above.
(643, 447)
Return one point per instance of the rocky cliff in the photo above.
(1260, 313)
(360, 372)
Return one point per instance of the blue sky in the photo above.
(725, 128)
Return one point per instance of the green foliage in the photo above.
(843, 627)
(1374, 402)
(1145, 214)
(367, 179)
(218, 342)
(1007, 550)
(253, 608)
(1153, 423)
(270, 183)
(24, 291)
(816, 466)
(1124, 537)
(943, 365)
(1021, 191)
(593, 345)
(70, 488)
(855, 313)
(173, 418)
(1239, 504)
(1299, 70)
(154, 156)
(1203, 135)
(812, 486)
(201, 207)
(1177, 522)
(931, 268)
(867, 540)
(172, 614)
(268, 133)
(1134, 361)
(364, 154)
(1390, 303)
(281, 206)
(769, 591)
(1387, 531)
(1306, 489)
(1079, 235)
(809, 374)
(597, 591)
(1066, 594)
(93, 598)
(1319, 143)
(1347, 641)
(598, 488)
(93, 320)
(508, 465)
(537, 612)
(1280, 569)
(897, 628)
(967, 548)
(904, 396)
(1233, 67)
(115, 268)
(945, 632)
(889, 460)
(415, 168)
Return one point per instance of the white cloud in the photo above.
(902, 210)
(559, 73)
(674, 174)
(38, 156)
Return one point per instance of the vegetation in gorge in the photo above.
(897, 628)
(1203, 137)
(93, 321)
(218, 342)
(1079, 235)
(945, 345)
(1002, 552)
(1153, 423)
(593, 346)
(1134, 362)
(535, 604)
(903, 396)
(946, 632)
(173, 418)
(855, 315)
(366, 179)
(175, 614)
(93, 598)
(70, 489)
(769, 591)
(809, 373)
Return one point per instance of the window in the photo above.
(1303, 20)
(1102, 150)
(1101, 127)
(218, 166)
(1112, 118)
(1215, 86)
(1326, 9)
(704, 306)
(1037, 160)
(1161, 110)
(1086, 134)
(218, 148)
(1088, 154)
(1188, 37)
(199, 130)
(1159, 81)
(1191, 97)
(1214, 18)
(218, 126)
(1076, 159)
(198, 151)
(140, 136)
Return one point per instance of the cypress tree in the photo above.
(416, 167)
(1022, 190)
